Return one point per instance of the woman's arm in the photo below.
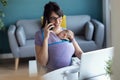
(78, 50)
(42, 51)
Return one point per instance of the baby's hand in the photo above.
(71, 38)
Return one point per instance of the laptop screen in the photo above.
(93, 63)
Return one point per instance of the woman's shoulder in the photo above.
(39, 31)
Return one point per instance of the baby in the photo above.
(66, 35)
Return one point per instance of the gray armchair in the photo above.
(21, 39)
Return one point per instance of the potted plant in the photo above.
(1, 21)
(4, 3)
(108, 67)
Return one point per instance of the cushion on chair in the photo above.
(30, 27)
(20, 33)
(63, 24)
(76, 23)
(89, 28)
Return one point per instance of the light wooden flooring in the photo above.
(7, 71)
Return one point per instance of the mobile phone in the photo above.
(50, 25)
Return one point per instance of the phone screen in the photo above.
(50, 25)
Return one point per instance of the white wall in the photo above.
(115, 24)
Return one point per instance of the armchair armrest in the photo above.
(98, 35)
(12, 40)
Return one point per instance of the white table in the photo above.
(63, 73)
(59, 74)
(102, 77)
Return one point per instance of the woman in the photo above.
(51, 51)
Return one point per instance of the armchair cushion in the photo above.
(63, 24)
(30, 27)
(89, 29)
(21, 36)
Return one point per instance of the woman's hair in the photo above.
(48, 9)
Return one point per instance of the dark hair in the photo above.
(48, 9)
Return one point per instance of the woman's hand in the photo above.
(78, 50)
(47, 30)
(71, 36)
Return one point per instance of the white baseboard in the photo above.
(6, 56)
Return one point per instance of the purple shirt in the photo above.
(59, 52)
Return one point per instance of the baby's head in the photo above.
(66, 34)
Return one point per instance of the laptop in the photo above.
(93, 63)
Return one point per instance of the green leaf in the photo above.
(4, 2)
(2, 14)
(1, 24)
(108, 66)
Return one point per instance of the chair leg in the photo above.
(16, 63)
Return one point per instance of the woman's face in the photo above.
(55, 19)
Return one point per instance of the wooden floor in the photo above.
(7, 71)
